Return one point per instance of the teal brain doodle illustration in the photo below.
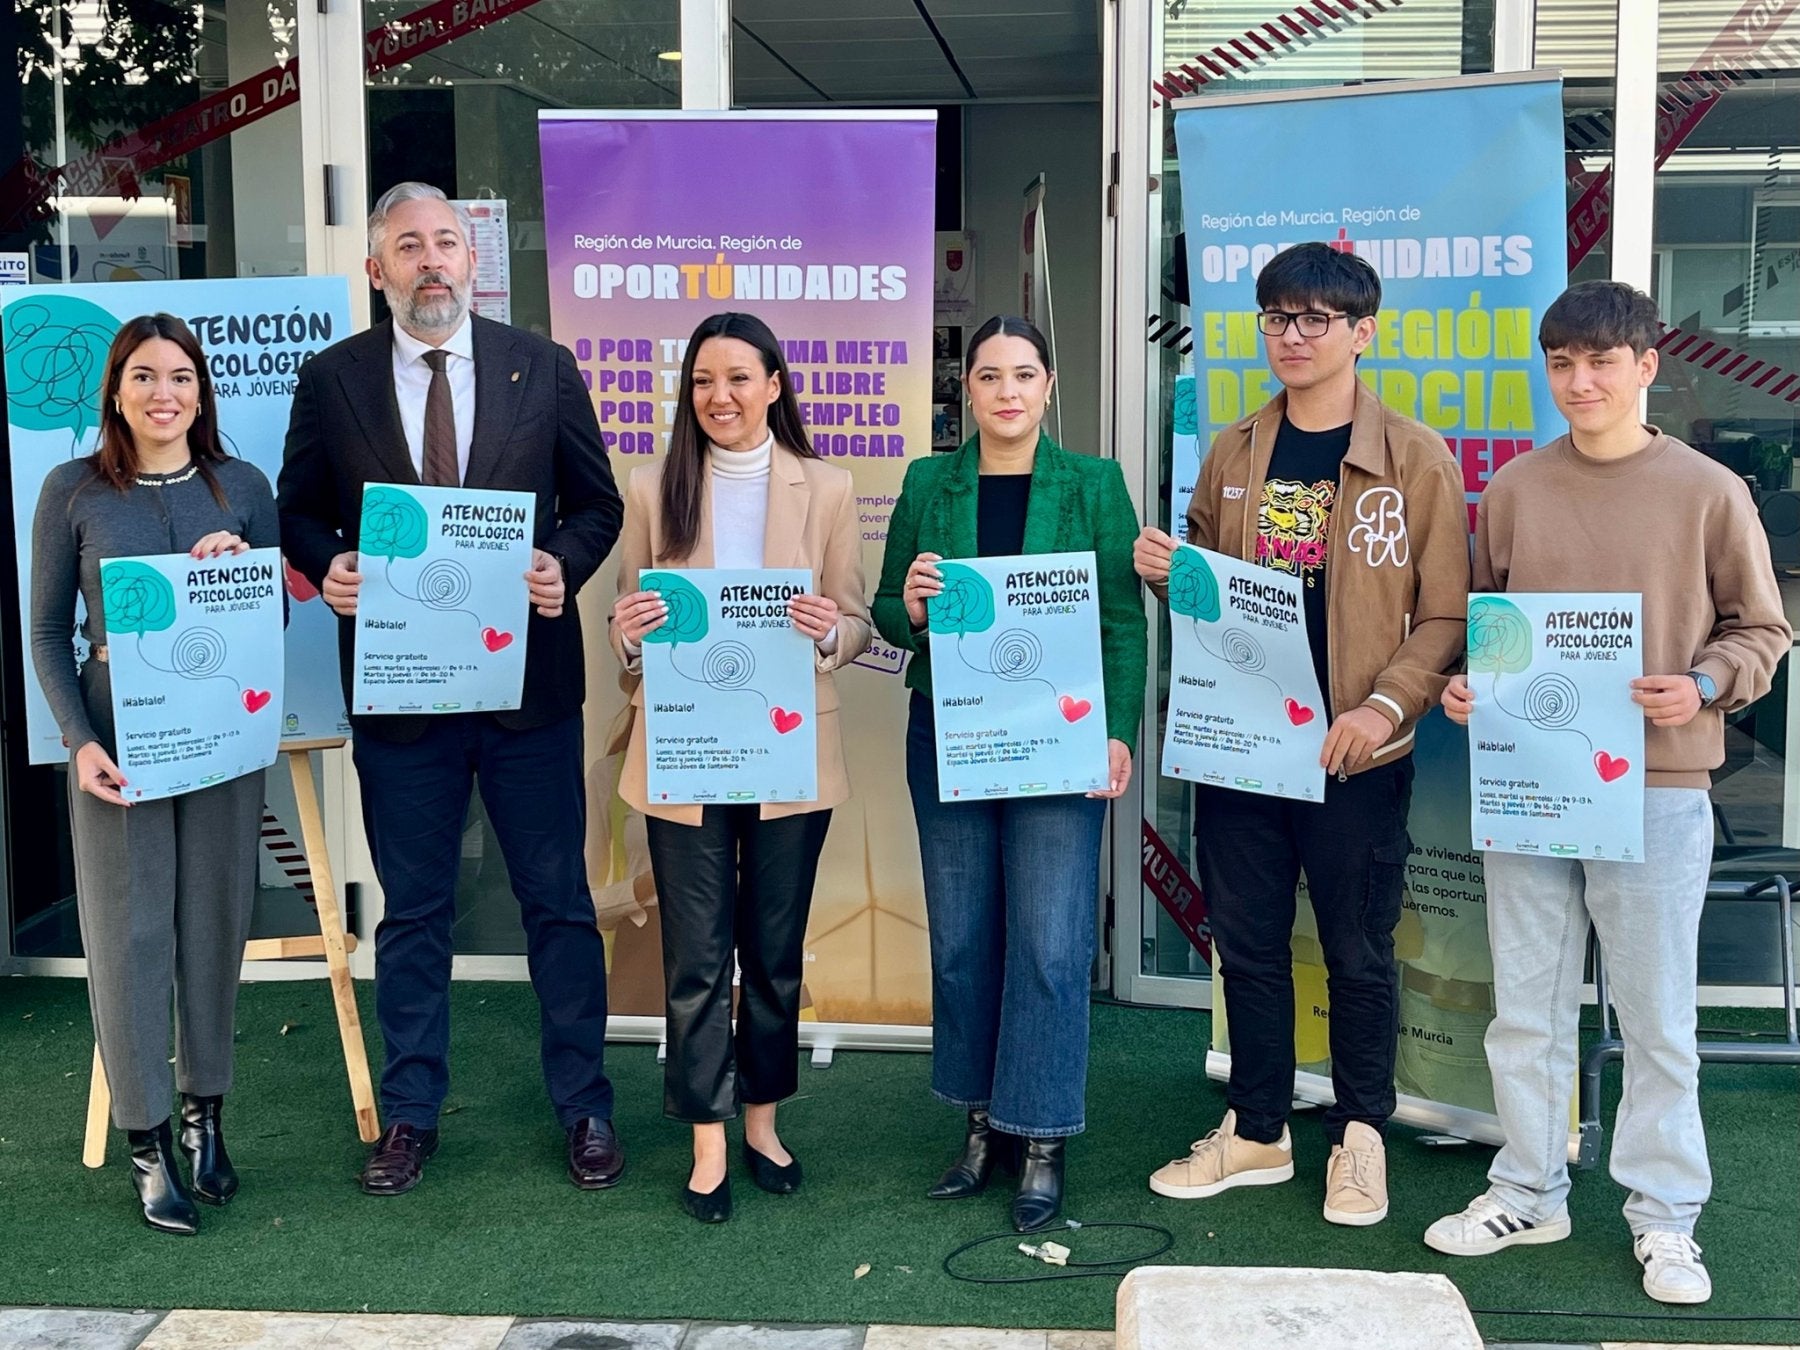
(56, 362)
(137, 599)
(687, 608)
(1193, 589)
(394, 524)
(966, 604)
(1186, 412)
(1499, 636)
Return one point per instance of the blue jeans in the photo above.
(1010, 889)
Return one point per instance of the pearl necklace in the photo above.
(182, 477)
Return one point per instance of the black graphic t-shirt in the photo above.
(1294, 517)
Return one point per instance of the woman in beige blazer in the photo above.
(740, 487)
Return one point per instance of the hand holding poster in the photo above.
(1556, 745)
(728, 689)
(195, 651)
(1016, 676)
(1245, 710)
(441, 615)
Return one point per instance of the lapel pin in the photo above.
(515, 377)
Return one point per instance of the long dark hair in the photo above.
(1008, 325)
(115, 457)
(684, 476)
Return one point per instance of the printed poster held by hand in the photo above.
(194, 647)
(441, 616)
(1245, 710)
(1016, 677)
(729, 696)
(1556, 744)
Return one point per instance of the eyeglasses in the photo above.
(1275, 322)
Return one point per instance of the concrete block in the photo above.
(1289, 1308)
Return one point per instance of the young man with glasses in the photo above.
(1366, 508)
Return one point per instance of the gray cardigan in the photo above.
(81, 520)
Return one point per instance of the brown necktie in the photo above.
(440, 427)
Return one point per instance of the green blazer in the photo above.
(1077, 502)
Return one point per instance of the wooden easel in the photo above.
(332, 943)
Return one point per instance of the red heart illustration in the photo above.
(1298, 713)
(493, 639)
(784, 720)
(298, 586)
(1074, 709)
(255, 700)
(1609, 768)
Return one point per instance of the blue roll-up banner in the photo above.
(1454, 191)
(255, 332)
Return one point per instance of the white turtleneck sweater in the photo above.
(740, 514)
(740, 503)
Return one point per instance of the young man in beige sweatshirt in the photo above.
(1618, 506)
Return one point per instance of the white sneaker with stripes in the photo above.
(1487, 1226)
(1672, 1269)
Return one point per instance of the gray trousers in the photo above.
(163, 890)
(1648, 917)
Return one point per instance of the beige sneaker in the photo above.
(1356, 1179)
(1221, 1161)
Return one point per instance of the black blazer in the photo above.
(535, 431)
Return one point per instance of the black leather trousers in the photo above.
(734, 883)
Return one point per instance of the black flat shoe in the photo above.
(168, 1206)
(203, 1142)
(712, 1207)
(1040, 1194)
(984, 1149)
(770, 1175)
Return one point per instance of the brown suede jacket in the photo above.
(1397, 555)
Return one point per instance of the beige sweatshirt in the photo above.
(1666, 522)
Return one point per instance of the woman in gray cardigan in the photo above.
(163, 888)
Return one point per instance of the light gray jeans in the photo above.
(1648, 918)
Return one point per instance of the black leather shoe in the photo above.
(985, 1149)
(168, 1206)
(712, 1207)
(203, 1141)
(596, 1160)
(397, 1162)
(1040, 1194)
(770, 1175)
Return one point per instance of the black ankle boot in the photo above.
(1040, 1185)
(215, 1180)
(985, 1149)
(168, 1207)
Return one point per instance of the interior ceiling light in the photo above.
(668, 56)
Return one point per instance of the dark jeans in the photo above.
(1353, 848)
(1010, 894)
(735, 881)
(415, 806)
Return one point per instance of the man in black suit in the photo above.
(437, 396)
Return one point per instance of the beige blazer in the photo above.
(811, 523)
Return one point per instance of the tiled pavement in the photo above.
(80, 1329)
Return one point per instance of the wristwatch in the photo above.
(1709, 692)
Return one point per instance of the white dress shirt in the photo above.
(412, 381)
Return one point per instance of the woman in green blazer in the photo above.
(1010, 885)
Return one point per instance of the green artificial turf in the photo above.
(496, 1229)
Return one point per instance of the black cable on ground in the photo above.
(1637, 1317)
(1075, 1270)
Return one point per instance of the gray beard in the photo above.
(434, 316)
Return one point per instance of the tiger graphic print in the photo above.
(1291, 525)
